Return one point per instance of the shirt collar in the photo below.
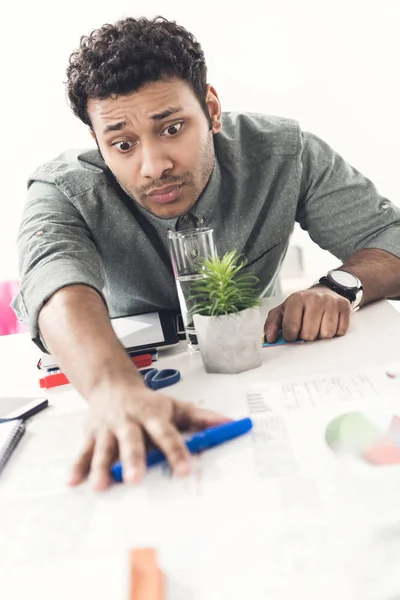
(200, 214)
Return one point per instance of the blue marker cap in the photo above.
(218, 435)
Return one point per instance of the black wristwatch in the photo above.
(344, 283)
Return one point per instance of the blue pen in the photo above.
(214, 436)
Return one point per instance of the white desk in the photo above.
(61, 543)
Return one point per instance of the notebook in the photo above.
(10, 434)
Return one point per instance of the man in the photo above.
(93, 235)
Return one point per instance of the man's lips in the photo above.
(166, 194)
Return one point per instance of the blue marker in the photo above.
(214, 436)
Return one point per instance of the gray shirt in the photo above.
(80, 227)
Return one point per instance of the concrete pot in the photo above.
(230, 343)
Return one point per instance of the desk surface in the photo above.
(62, 543)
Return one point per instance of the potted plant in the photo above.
(226, 315)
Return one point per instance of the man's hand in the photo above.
(308, 315)
(123, 418)
(124, 415)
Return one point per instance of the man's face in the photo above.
(158, 144)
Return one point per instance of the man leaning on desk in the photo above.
(93, 238)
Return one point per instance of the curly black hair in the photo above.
(121, 58)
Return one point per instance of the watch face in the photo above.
(344, 279)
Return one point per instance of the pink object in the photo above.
(8, 321)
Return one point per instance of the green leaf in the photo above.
(224, 288)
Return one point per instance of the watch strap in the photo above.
(353, 296)
(349, 294)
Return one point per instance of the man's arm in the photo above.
(76, 327)
(321, 313)
(73, 323)
(378, 271)
(344, 214)
(62, 280)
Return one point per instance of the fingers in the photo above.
(189, 417)
(81, 467)
(325, 324)
(329, 324)
(344, 322)
(105, 453)
(97, 457)
(313, 314)
(165, 435)
(132, 452)
(293, 319)
(273, 324)
(312, 318)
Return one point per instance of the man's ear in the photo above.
(92, 133)
(214, 108)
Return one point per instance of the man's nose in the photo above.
(154, 161)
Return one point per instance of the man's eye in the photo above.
(123, 146)
(172, 129)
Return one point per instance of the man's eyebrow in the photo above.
(165, 113)
(155, 117)
(114, 127)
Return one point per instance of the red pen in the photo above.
(57, 379)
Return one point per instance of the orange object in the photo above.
(56, 379)
(146, 578)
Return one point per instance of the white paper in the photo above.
(274, 514)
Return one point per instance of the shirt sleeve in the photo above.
(339, 207)
(55, 250)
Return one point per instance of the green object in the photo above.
(224, 288)
(352, 433)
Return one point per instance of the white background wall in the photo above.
(334, 66)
